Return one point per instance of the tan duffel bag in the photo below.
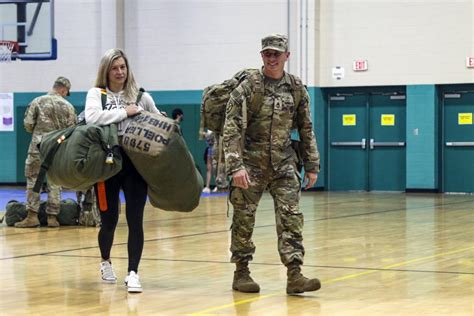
(158, 151)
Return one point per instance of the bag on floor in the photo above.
(79, 156)
(159, 153)
(89, 215)
(68, 213)
(16, 212)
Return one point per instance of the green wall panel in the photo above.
(422, 137)
(318, 114)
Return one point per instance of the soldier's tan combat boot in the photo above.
(242, 280)
(31, 220)
(52, 221)
(298, 283)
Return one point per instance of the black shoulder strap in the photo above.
(140, 94)
(103, 97)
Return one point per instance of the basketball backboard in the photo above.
(30, 23)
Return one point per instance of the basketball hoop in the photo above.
(6, 50)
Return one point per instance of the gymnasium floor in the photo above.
(376, 254)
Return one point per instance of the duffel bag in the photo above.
(79, 156)
(158, 151)
(68, 213)
(16, 212)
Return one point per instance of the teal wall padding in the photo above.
(422, 137)
(8, 156)
(318, 114)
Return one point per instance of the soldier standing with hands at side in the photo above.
(267, 160)
(45, 114)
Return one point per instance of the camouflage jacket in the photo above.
(47, 113)
(268, 134)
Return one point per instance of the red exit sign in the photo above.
(360, 65)
(470, 62)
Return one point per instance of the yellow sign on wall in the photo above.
(464, 118)
(349, 120)
(387, 120)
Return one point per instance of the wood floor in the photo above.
(376, 254)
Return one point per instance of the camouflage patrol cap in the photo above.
(63, 81)
(277, 42)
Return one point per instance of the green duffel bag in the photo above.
(158, 151)
(79, 156)
(16, 212)
(69, 212)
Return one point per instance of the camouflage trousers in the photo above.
(284, 185)
(32, 168)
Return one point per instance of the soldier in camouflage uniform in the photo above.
(268, 161)
(45, 114)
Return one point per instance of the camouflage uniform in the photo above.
(44, 114)
(270, 161)
(222, 184)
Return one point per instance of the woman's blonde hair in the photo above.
(102, 80)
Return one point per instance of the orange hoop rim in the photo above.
(15, 46)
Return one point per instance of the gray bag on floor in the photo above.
(158, 151)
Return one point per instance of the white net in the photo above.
(6, 49)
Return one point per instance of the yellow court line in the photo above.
(208, 311)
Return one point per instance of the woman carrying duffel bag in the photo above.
(113, 100)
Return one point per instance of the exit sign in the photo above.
(470, 62)
(360, 65)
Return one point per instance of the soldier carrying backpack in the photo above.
(258, 109)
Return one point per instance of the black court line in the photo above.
(278, 264)
(226, 230)
(259, 210)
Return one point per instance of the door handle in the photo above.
(362, 143)
(385, 144)
(459, 144)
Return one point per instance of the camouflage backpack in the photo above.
(89, 215)
(215, 98)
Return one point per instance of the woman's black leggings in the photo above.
(135, 191)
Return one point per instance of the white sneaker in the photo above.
(214, 190)
(107, 272)
(206, 190)
(132, 281)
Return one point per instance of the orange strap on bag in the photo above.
(102, 196)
